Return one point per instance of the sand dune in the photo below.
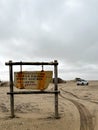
(78, 109)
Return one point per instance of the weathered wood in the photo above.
(11, 89)
(12, 92)
(56, 89)
(33, 92)
(32, 63)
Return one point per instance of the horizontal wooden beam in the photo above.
(32, 63)
(34, 92)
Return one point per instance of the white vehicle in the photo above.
(82, 82)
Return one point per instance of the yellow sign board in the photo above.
(32, 79)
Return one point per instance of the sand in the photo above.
(78, 109)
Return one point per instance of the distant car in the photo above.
(82, 82)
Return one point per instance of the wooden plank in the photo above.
(33, 92)
(32, 63)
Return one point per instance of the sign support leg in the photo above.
(11, 89)
(56, 89)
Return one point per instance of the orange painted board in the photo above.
(32, 79)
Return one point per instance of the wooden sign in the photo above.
(32, 79)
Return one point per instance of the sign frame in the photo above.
(12, 92)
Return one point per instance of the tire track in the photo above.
(96, 102)
(86, 122)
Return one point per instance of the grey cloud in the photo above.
(65, 30)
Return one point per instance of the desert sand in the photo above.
(78, 109)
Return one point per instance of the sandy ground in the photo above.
(78, 109)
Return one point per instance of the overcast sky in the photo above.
(48, 30)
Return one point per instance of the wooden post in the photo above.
(20, 66)
(11, 89)
(56, 89)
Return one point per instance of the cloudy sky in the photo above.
(48, 30)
